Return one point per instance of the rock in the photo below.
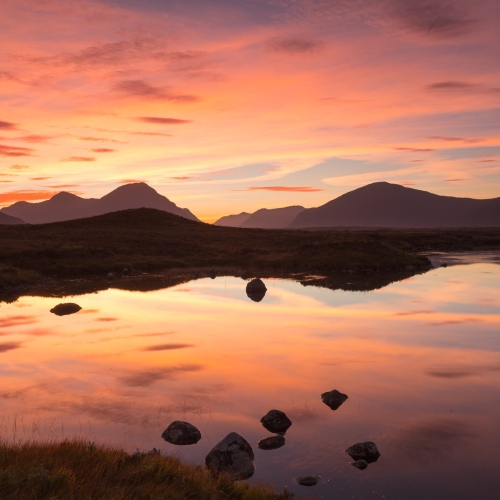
(307, 480)
(111, 276)
(65, 309)
(233, 456)
(256, 290)
(334, 399)
(444, 264)
(181, 433)
(360, 464)
(364, 451)
(276, 421)
(271, 443)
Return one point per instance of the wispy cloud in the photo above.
(162, 121)
(414, 150)
(9, 346)
(454, 139)
(31, 195)
(10, 321)
(130, 181)
(167, 347)
(293, 45)
(141, 88)
(7, 125)
(293, 189)
(103, 150)
(144, 378)
(13, 151)
(450, 86)
(78, 159)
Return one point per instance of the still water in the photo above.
(419, 360)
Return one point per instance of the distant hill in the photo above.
(265, 218)
(65, 206)
(7, 219)
(393, 206)
(232, 220)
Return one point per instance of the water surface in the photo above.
(419, 360)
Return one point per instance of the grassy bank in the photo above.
(79, 470)
(152, 241)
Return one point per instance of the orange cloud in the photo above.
(102, 150)
(162, 121)
(7, 125)
(295, 189)
(130, 181)
(15, 151)
(13, 196)
(78, 158)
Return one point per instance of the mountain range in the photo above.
(386, 205)
(264, 218)
(377, 205)
(66, 206)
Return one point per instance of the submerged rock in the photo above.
(256, 290)
(276, 421)
(65, 309)
(334, 399)
(181, 433)
(364, 451)
(307, 480)
(360, 464)
(271, 443)
(233, 456)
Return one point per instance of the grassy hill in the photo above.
(150, 240)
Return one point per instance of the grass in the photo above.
(152, 241)
(75, 470)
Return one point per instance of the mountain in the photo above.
(264, 218)
(7, 219)
(232, 220)
(273, 218)
(393, 206)
(66, 206)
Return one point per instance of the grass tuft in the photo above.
(77, 470)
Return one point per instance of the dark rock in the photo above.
(65, 309)
(444, 264)
(364, 451)
(181, 433)
(276, 421)
(111, 276)
(334, 399)
(307, 480)
(271, 443)
(360, 464)
(233, 456)
(256, 290)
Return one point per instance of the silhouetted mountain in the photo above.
(65, 206)
(393, 206)
(7, 219)
(232, 220)
(272, 218)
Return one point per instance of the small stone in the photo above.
(181, 433)
(276, 421)
(360, 464)
(65, 309)
(364, 451)
(307, 480)
(271, 443)
(233, 456)
(334, 399)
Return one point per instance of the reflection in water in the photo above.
(65, 309)
(256, 290)
(419, 359)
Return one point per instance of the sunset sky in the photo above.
(226, 106)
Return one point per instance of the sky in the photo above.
(227, 106)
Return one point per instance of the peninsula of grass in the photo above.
(83, 471)
(152, 241)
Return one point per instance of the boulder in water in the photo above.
(364, 451)
(271, 443)
(256, 290)
(307, 480)
(276, 421)
(334, 399)
(65, 309)
(233, 456)
(181, 433)
(360, 464)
